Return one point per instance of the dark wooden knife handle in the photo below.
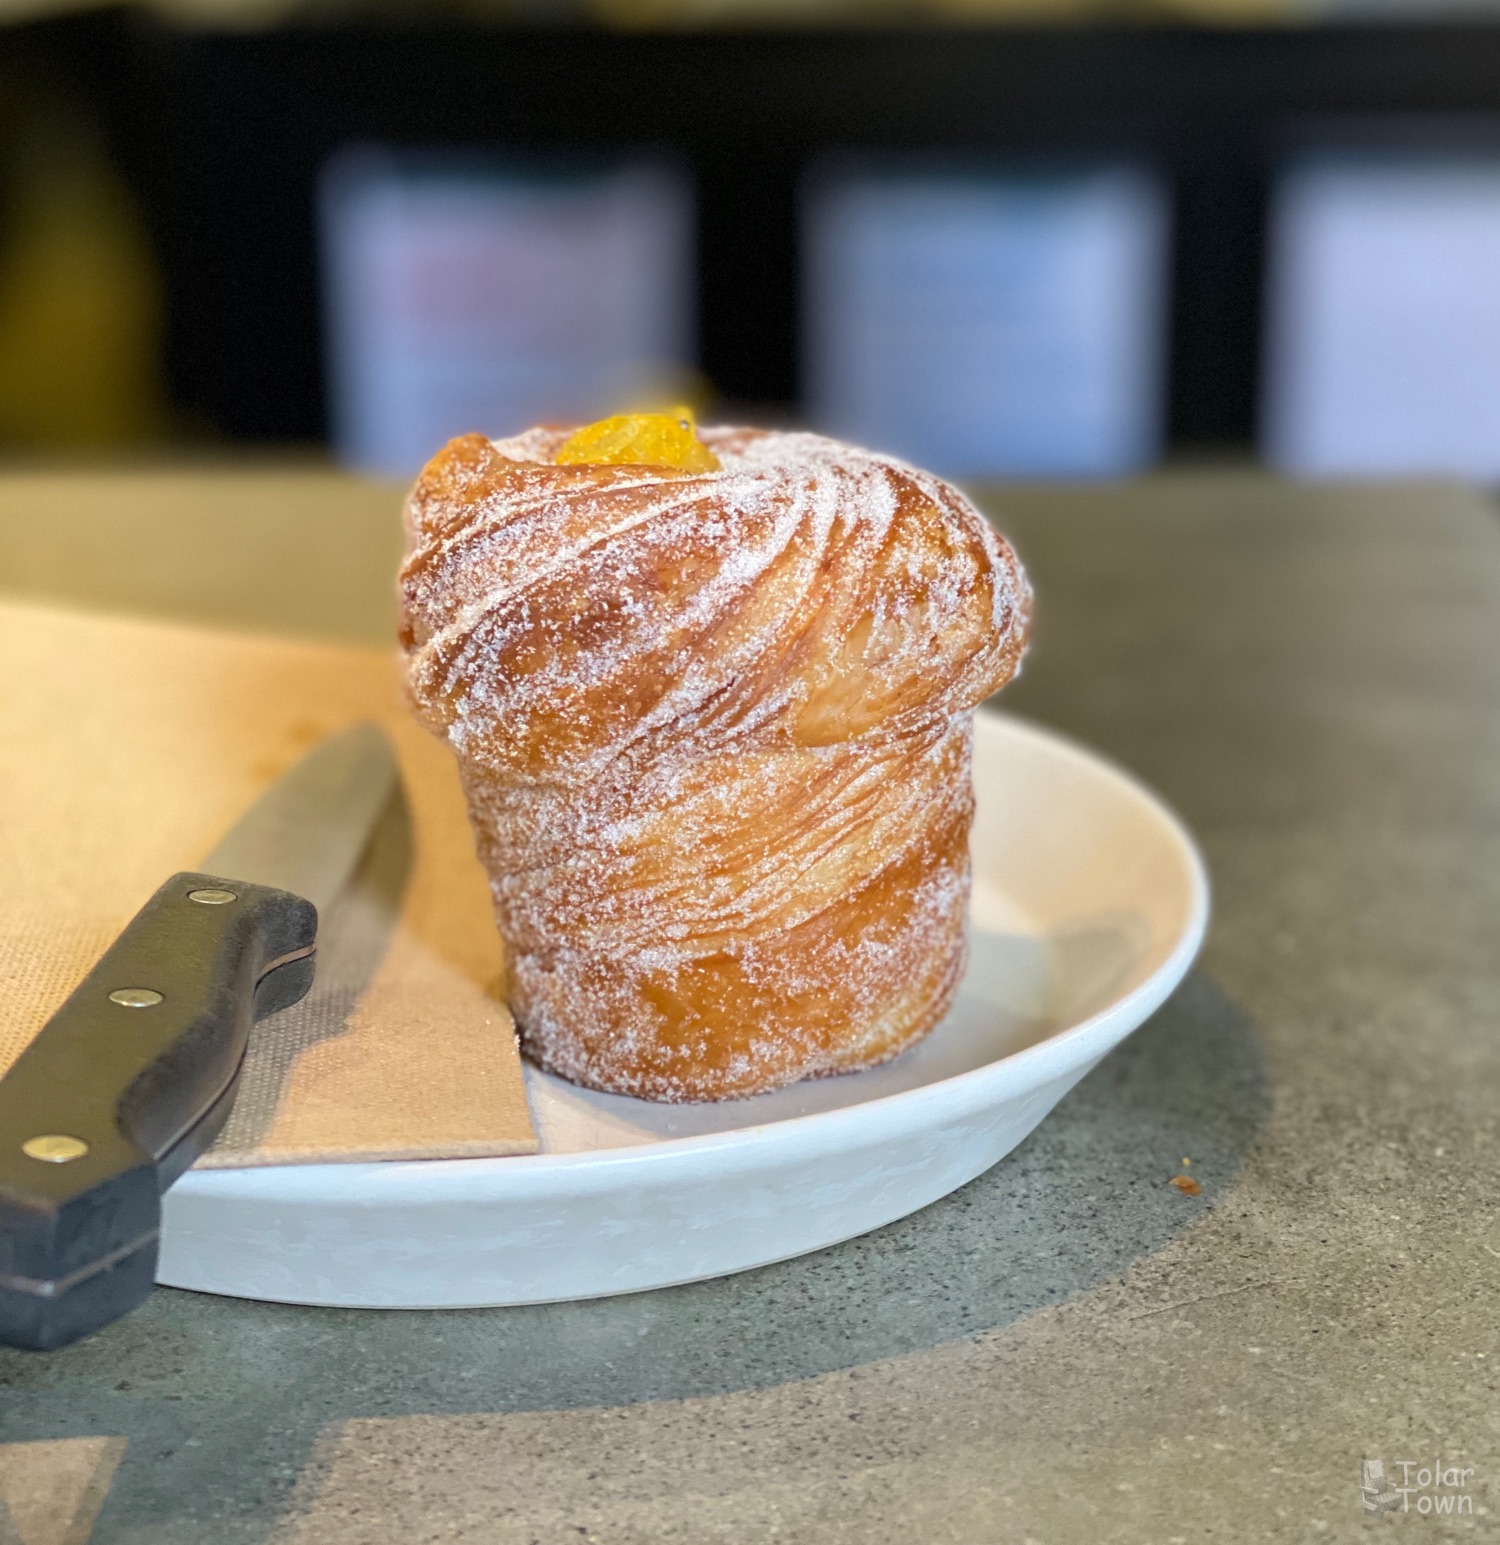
(122, 1089)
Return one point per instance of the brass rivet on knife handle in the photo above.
(135, 997)
(54, 1148)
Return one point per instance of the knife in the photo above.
(136, 1073)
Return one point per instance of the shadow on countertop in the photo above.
(224, 1398)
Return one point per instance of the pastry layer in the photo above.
(714, 730)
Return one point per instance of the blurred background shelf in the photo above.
(190, 158)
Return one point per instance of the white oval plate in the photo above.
(1090, 902)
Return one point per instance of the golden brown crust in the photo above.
(714, 730)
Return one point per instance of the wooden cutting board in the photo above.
(126, 749)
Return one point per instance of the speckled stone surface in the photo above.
(1068, 1349)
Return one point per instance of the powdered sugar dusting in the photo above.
(715, 734)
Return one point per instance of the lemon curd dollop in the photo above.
(640, 439)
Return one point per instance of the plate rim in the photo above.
(899, 1108)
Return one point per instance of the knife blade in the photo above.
(136, 1073)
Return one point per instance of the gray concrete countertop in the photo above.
(1068, 1349)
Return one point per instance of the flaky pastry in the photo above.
(715, 732)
